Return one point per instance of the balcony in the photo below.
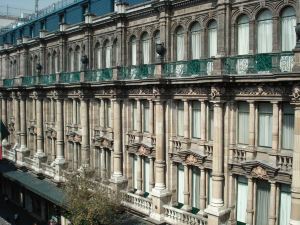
(137, 203)
(98, 75)
(180, 217)
(199, 67)
(259, 64)
(29, 81)
(137, 72)
(47, 79)
(8, 83)
(70, 77)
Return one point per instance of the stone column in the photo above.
(160, 195)
(295, 209)
(4, 110)
(216, 208)
(186, 191)
(275, 127)
(59, 161)
(272, 206)
(40, 154)
(232, 128)
(250, 202)
(250, 153)
(74, 106)
(85, 146)
(17, 117)
(202, 190)
(22, 151)
(102, 114)
(103, 169)
(117, 176)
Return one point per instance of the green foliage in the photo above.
(88, 203)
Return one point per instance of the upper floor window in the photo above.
(43, 25)
(211, 122)
(97, 56)
(133, 50)
(288, 34)
(180, 184)
(107, 52)
(287, 127)
(31, 31)
(196, 41)
(156, 41)
(264, 32)
(243, 35)
(212, 39)
(285, 204)
(195, 187)
(49, 64)
(71, 60)
(77, 59)
(196, 111)
(145, 48)
(108, 115)
(243, 123)
(115, 52)
(180, 44)
(146, 116)
(62, 18)
(55, 62)
(180, 118)
(265, 116)
(134, 115)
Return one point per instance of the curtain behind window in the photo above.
(243, 123)
(196, 187)
(264, 32)
(285, 204)
(134, 171)
(180, 44)
(287, 127)
(134, 115)
(180, 183)
(243, 35)
(146, 116)
(265, 124)
(212, 39)
(241, 204)
(288, 34)
(262, 202)
(133, 51)
(146, 49)
(107, 56)
(196, 41)
(180, 118)
(196, 119)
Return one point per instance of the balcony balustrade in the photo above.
(137, 72)
(259, 64)
(180, 217)
(29, 81)
(199, 67)
(47, 79)
(70, 77)
(98, 75)
(7, 83)
(136, 202)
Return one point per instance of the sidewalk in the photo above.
(7, 211)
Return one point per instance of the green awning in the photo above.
(43, 188)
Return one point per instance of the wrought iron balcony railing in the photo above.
(7, 83)
(98, 75)
(137, 72)
(70, 77)
(197, 67)
(259, 64)
(29, 80)
(47, 79)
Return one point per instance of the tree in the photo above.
(88, 203)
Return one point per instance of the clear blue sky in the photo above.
(24, 4)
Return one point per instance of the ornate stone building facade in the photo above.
(205, 133)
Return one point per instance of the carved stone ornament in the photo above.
(190, 91)
(143, 151)
(296, 92)
(191, 160)
(216, 91)
(259, 172)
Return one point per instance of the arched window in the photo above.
(288, 34)
(97, 56)
(71, 60)
(107, 54)
(133, 50)
(243, 35)
(264, 32)
(49, 64)
(77, 59)
(212, 39)
(115, 53)
(35, 61)
(145, 48)
(179, 44)
(30, 66)
(195, 41)
(156, 41)
(55, 62)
